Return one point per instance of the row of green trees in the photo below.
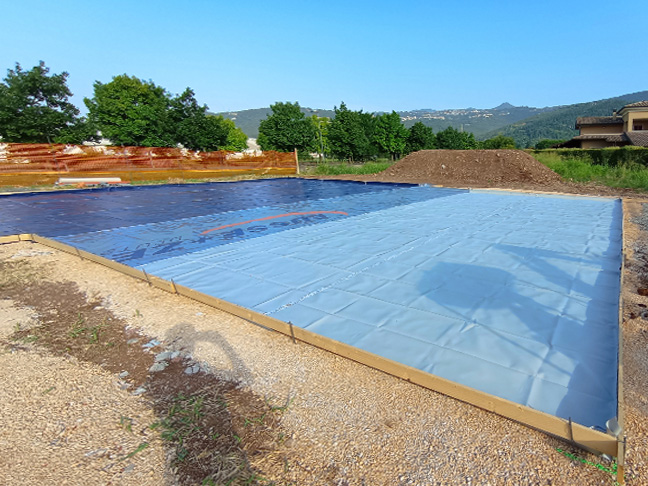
(35, 108)
(356, 135)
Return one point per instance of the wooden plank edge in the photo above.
(620, 455)
(571, 432)
(9, 239)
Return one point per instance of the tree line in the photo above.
(359, 136)
(35, 108)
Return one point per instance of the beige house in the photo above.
(628, 126)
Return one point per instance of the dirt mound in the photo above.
(471, 168)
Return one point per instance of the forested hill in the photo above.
(558, 124)
(525, 124)
(248, 120)
(477, 121)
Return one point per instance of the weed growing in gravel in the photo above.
(612, 469)
(95, 331)
(78, 327)
(140, 448)
(126, 423)
(181, 420)
(30, 338)
(258, 420)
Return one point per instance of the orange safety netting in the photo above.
(19, 157)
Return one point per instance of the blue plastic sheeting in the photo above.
(514, 295)
(136, 245)
(72, 212)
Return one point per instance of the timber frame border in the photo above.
(579, 435)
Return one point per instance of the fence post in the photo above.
(297, 160)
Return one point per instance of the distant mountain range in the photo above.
(526, 125)
(559, 123)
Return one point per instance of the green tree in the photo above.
(286, 129)
(420, 137)
(34, 107)
(190, 126)
(129, 111)
(78, 132)
(390, 135)
(499, 142)
(321, 124)
(453, 139)
(236, 139)
(350, 134)
(547, 143)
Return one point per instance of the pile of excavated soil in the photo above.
(500, 169)
(474, 168)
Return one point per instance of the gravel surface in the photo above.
(62, 422)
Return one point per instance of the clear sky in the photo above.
(378, 55)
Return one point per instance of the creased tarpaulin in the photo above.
(514, 295)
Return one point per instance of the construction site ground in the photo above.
(102, 374)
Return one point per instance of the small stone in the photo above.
(139, 391)
(192, 370)
(98, 452)
(159, 366)
(123, 374)
(200, 314)
(132, 341)
(151, 344)
(164, 355)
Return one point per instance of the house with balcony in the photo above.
(628, 126)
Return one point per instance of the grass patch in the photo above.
(579, 170)
(345, 168)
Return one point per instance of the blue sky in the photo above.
(373, 55)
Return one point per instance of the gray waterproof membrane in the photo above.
(514, 295)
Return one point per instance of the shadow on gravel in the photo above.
(211, 427)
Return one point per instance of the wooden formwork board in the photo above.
(578, 434)
(620, 455)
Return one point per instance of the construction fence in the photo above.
(43, 164)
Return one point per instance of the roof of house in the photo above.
(638, 104)
(599, 136)
(640, 139)
(598, 120)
